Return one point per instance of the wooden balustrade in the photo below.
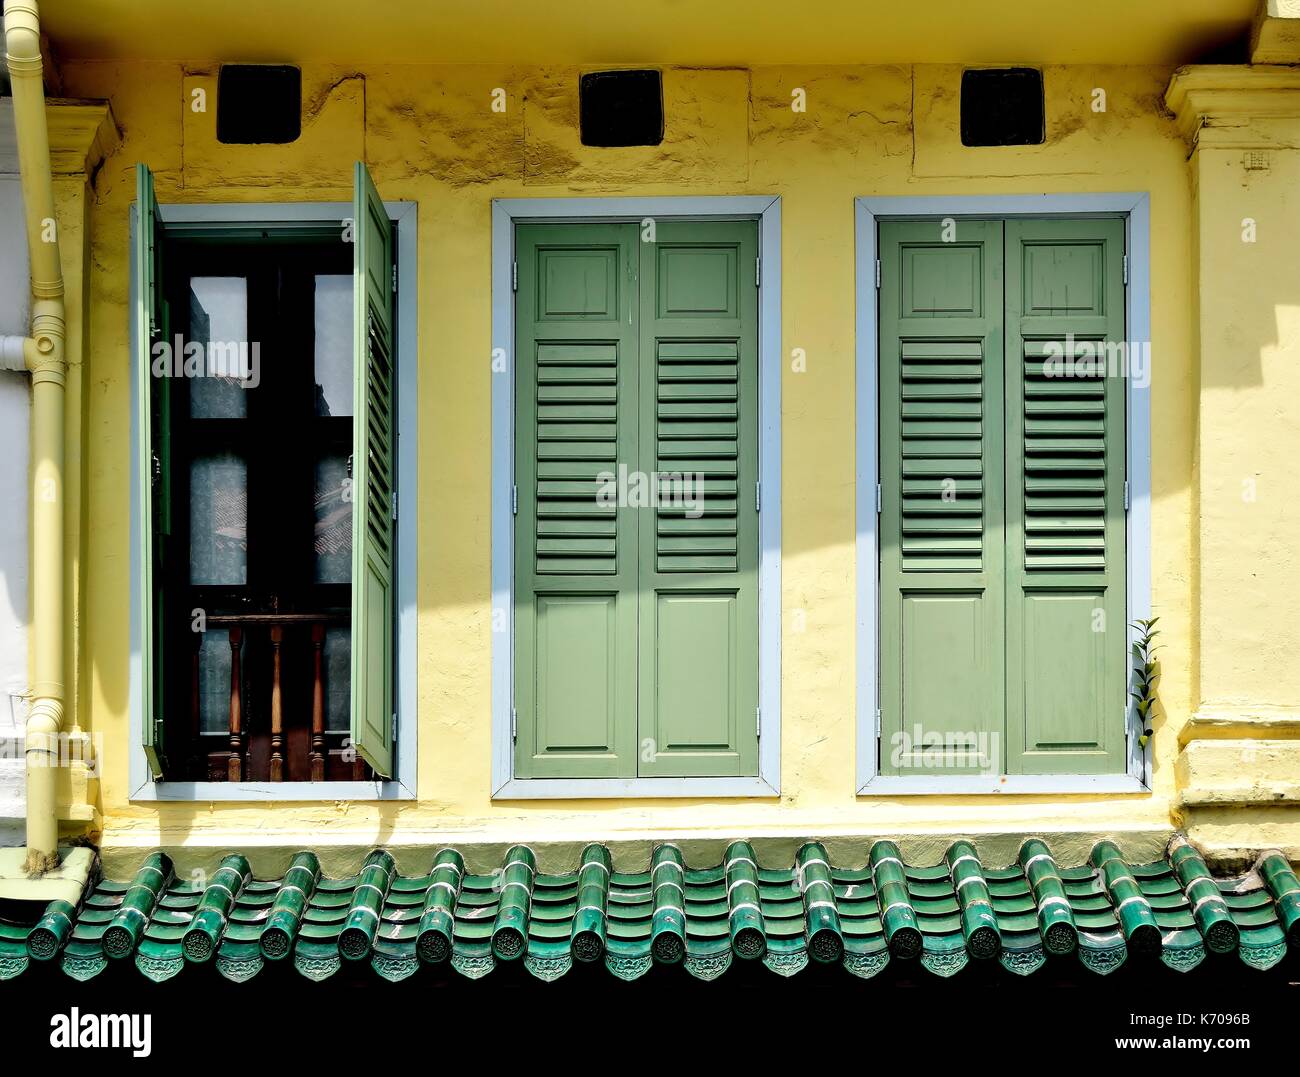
(236, 761)
(277, 712)
(278, 633)
(317, 703)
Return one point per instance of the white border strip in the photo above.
(272, 215)
(506, 212)
(1138, 241)
(1137, 210)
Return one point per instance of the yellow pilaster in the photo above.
(82, 135)
(1240, 752)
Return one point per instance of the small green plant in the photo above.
(1145, 676)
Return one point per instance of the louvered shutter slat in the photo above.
(570, 379)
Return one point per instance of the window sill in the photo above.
(245, 792)
(646, 788)
(980, 785)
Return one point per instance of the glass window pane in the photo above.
(333, 535)
(333, 344)
(219, 322)
(337, 654)
(214, 681)
(219, 520)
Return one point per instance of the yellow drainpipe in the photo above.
(42, 353)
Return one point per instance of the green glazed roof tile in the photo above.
(941, 915)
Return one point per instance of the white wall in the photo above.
(15, 404)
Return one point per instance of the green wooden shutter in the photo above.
(698, 577)
(941, 556)
(153, 464)
(575, 557)
(1066, 631)
(373, 479)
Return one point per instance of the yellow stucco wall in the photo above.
(1248, 491)
(429, 135)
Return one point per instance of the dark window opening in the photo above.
(621, 108)
(256, 564)
(1002, 107)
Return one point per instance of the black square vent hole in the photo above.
(258, 103)
(621, 108)
(1002, 107)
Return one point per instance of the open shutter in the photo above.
(941, 555)
(1066, 630)
(373, 479)
(152, 465)
(698, 577)
(575, 554)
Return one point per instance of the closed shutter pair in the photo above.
(1002, 530)
(636, 534)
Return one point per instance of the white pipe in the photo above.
(13, 353)
(44, 355)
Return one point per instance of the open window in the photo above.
(267, 457)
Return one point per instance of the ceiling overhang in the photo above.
(716, 33)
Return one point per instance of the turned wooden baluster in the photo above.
(277, 727)
(317, 703)
(235, 764)
(196, 707)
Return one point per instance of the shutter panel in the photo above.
(575, 557)
(576, 438)
(699, 555)
(941, 557)
(373, 478)
(152, 466)
(1066, 624)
